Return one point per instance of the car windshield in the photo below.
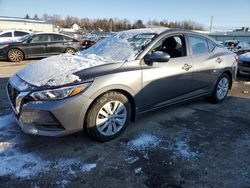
(25, 37)
(124, 46)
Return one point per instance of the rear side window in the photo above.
(20, 33)
(40, 38)
(55, 38)
(199, 45)
(9, 34)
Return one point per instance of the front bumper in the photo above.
(51, 118)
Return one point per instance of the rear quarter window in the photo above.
(211, 46)
(20, 33)
(199, 45)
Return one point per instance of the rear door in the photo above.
(56, 45)
(37, 46)
(207, 63)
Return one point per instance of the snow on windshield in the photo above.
(124, 46)
(59, 70)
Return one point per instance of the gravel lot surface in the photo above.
(196, 144)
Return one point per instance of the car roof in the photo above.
(52, 33)
(6, 31)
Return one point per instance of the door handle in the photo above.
(186, 67)
(219, 60)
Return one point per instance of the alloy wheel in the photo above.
(15, 55)
(111, 118)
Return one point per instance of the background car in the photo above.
(88, 42)
(38, 45)
(244, 64)
(6, 36)
(238, 47)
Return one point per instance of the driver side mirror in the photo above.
(157, 56)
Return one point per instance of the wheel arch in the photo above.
(123, 91)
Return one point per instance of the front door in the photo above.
(166, 82)
(37, 47)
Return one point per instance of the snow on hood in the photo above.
(59, 70)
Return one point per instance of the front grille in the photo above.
(246, 63)
(13, 93)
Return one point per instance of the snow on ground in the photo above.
(138, 170)
(88, 167)
(18, 164)
(182, 150)
(131, 160)
(144, 142)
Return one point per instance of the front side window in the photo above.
(40, 38)
(9, 34)
(199, 45)
(174, 46)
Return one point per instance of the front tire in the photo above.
(108, 117)
(15, 55)
(221, 88)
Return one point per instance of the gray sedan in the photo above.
(104, 87)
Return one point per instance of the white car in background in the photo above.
(6, 36)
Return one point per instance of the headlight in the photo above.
(59, 93)
(3, 46)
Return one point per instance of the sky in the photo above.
(226, 13)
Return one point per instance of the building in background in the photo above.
(12, 23)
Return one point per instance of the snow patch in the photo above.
(62, 183)
(144, 142)
(22, 165)
(131, 160)
(182, 150)
(138, 170)
(88, 167)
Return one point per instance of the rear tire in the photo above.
(108, 116)
(15, 55)
(221, 88)
(70, 50)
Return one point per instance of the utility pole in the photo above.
(211, 24)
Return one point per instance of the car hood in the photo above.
(245, 57)
(61, 70)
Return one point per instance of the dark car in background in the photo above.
(38, 45)
(244, 64)
(91, 41)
